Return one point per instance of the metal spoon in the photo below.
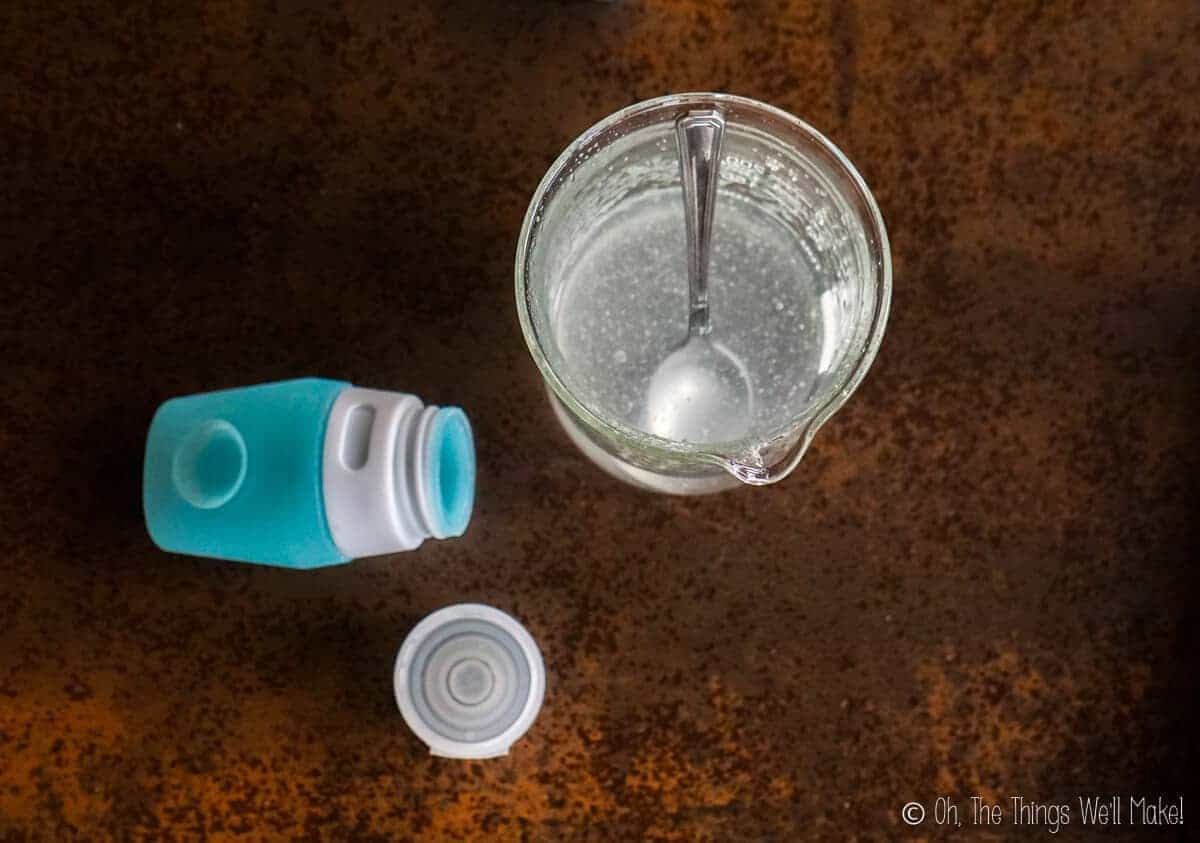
(701, 392)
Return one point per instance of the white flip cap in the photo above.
(469, 680)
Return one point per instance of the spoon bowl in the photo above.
(699, 393)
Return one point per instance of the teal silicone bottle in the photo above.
(305, 473)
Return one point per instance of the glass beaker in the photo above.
(800, 284)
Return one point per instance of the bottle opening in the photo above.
(451, 450)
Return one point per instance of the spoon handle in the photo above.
(699, 135)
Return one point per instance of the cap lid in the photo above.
(469, 680)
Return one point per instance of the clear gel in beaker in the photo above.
(800, 282)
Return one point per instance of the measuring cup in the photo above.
(799, 287)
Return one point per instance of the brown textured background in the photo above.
(980, 581)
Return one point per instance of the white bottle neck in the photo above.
(395, 472)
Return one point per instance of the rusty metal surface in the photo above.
(979, 582)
